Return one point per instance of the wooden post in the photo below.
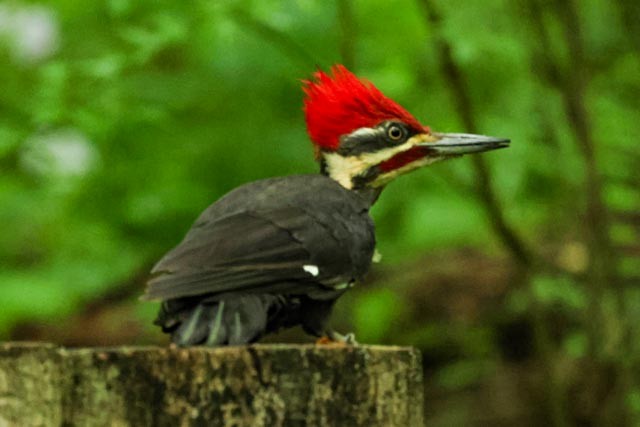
(259, 385)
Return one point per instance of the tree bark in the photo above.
(259, 385)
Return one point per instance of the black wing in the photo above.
(283, 250)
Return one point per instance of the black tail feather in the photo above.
(232, 320)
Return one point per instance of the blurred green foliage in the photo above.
(120, 121)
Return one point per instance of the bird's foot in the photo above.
(324, 340)
(336, 338)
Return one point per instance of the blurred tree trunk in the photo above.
(604, 380)
(263, 385)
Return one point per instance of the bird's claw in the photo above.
(349, 338)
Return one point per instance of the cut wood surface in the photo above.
(259, 385)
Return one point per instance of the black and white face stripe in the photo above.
(368, 140)
(369, 158)
(355, 165)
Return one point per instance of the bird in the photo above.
(278, 252)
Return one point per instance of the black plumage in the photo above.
(279, 252)
(270, 254)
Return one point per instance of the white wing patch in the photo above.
(311, 269)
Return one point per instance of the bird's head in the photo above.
(364, 139)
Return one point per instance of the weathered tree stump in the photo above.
(260, 385)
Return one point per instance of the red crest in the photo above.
(340, 103)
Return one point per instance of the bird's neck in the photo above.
(369, 194)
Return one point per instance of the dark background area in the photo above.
(516, 272)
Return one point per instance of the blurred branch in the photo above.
(603, 265)
(554, 392)
(277, 38)
(347, 33)
(630, 16)
(571, 83)
(486, 192)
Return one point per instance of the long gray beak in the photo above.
(464, 143)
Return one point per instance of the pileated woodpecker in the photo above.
(279, 252)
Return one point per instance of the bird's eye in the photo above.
(395, 133)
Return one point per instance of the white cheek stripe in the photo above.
(343, 169)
